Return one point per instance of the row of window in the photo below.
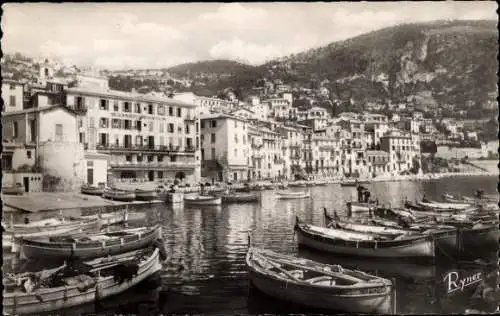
(138, 125)
(104, 140)
(130, 107)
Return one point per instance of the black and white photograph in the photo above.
(253, 158)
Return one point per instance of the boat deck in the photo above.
(48, 201)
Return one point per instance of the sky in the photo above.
(122, 36)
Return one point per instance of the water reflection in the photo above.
(206, 272)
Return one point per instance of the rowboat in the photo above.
(64, 287)
(360, 207)
(119, 195)
(85, 247)
(145, 195)
(292, 195)
(364, 244)
(353, 182)
(46, 225)
(16, 189)
(445, 206)
(202, 200)
(91, 190)
(317, 285)
(446, 237)
(8, 239)
(237, 197)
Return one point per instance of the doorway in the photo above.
(90, 176)
(151, 175)
(26, 182)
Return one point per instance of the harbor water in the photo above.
(206, 274)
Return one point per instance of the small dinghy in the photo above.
(318, 285)
(75, 283)
(292, 195)
(119, 195)
(85, 247)
(91, 190)
(145, 195)
(202, 200)
(239, 197)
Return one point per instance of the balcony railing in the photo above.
(257, 146)
(190, 118)
(109, 147)
(156, 165)
(190, 149)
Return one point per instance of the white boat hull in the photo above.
(377, 304)
(68, 296)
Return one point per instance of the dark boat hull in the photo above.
(55, 251)
(421, 248)
(375, 303)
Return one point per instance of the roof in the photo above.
(128, 95)
(242, 108)
(217, 116)
(35, 110)
(10, 81)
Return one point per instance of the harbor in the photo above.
(206, 248)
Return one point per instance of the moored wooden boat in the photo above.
(8, 239)
(318, 285)
(46, 225)
(364, 244)
(445, 206)
(64, 287)
(240, 197)
(202, 200)
(96, 245)
(446, 237)
(292, 195)
(360, 207)
(145, 195)
(297, 184)
(353, 182)
(119, 195)
(16, 189)
(91, 190)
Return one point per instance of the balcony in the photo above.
(295, 156)
(81, 110)
(257, 156)
(172, 165)
(190, 118)
(136, 148)
(190, 149)
(257, 146)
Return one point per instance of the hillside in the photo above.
(427, 63)
(443, 62)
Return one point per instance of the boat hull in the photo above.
(146, 196)
(33, 249)
(123, 197)
(321, 299)
(471, 239)
(203, 202)
(21, 229)
(423, 248)
(240, 198)
(68, 296)
(92, 191)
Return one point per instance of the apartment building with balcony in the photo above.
(146, 138)
(225, 148)
(378, 162)
(326, 154)
(402, 149)
(292, 139)
(267, 155)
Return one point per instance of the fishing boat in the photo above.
(352, 182)
(85, 247)
(364, 244)
(360, 207)
(119, 195)
(292, 195)
(8, 239)
(202, 200)
(67, 286)
(446, 237)
(46, 225)
(145, 195)
(16, 189)
(240, 197)
(318, 285)
(91, 190)
(445, 206)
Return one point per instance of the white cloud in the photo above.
(236, 49)
(53, 48)
(235, 15)
(106, 45)
(121, 62)
(131, 27)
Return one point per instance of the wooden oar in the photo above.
(279, 268)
